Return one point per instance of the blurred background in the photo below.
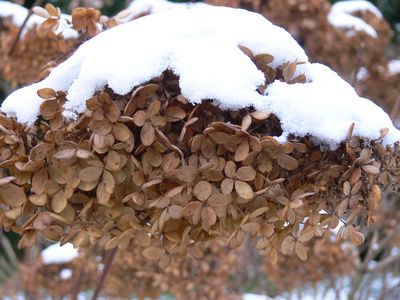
(337, 270)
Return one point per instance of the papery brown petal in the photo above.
(246, 173)
(90, 174)
(287, 162)
(288, 244)
(301, 251)
(202, 190)
(147, 134)
(243, 189)
(59, 201)
(153, 253)
(12, 194)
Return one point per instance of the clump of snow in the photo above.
(56, 254)
(18, 13)
(341, 17)
(353, 6)
(65, 274)
(205, 55)
(394, 67)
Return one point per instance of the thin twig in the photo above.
(108, 261)
(77, 284)
(385, 263)
(30, 12)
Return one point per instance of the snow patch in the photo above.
(65, 274)
(394, 67)
(362, 74)
(205, 55)
(56, 254)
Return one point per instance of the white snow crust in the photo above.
(340, 16)
(56, 254)
(18, 13)
(204, 53)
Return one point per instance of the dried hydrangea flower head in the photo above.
(224, 131)
(59, 274)
(330, 260)
(45, 40)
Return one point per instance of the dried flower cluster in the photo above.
(131, 274)
(151, 168)
(208, 278)
(307, 21)
(346, 53)
(43, 47)
(331, 259)
(299, 17)
(56, 280)
(31, 56)
(381, 84)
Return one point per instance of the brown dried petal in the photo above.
(370, 169)
(12, 194)
(251, 227)
(246, 173)
(49, 108)
(39, 200)
(287, 246)
(242, 151)
(301, 251)
(202, 190)
(59, 201)
(40, 151)
(243, 189)
(153, 253)
(90, 174)
(147, 134)
(47, 93)
(121, 132)
(227, 186)
(287, 162)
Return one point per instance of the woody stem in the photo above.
(108, 261)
